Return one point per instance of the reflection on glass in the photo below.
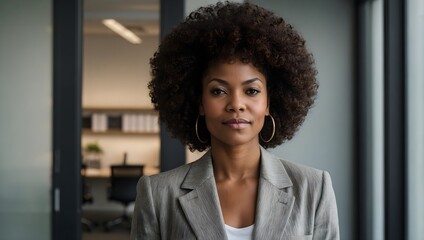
(26, 119)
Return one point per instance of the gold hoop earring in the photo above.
(197, 132)
(273, 131)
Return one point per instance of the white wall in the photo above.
(25, 119)
(116, 74)
(326, 139)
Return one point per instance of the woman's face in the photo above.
(234, 103)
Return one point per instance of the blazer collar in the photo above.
(200, 171)
(201, 205)
(274, 203)
(202, 208)
(273, 170)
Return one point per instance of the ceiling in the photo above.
(140, 16)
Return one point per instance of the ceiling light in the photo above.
(122, 31)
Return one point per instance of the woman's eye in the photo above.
(217, 91)
(252, 91)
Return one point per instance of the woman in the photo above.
(234, 79)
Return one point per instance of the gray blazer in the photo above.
(294, 202)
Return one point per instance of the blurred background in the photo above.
(74, 103)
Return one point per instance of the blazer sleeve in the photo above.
(144, 224)
(326, 218)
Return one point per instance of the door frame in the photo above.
(67, 75)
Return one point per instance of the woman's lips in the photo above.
(236, 123)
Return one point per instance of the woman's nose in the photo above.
(235, 104)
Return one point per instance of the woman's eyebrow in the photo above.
(246, 82)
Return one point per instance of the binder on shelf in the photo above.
(133, 123)
(152, 123)
(86, 122)
(99, 122)
(114, 122)
(148, 123)
(138, 121)
(125, 123)
(156, 127)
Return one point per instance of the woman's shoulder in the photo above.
(307, 182)
(171, 176)
(174, 177)
(295, 168)
(302, 174)
(305, 177)
(292, 167)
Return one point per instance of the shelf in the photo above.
(117, 132)
(120, 120)
(105, 172)
(116, 109)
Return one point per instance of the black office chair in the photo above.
(87, 197)
(123, 184)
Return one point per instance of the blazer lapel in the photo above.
(274, 204)
(201, 205)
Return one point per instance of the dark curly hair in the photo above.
(227, 32)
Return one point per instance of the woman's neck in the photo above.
(236, 162)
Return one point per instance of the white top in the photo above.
(245, 233)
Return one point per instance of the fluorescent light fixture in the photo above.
(122, 31)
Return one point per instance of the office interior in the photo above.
(118, 116)
(365, 128)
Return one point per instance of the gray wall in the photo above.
(415, 126)
(326, 139)
(25, 119)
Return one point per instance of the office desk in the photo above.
(105, 172)
(98, 181)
